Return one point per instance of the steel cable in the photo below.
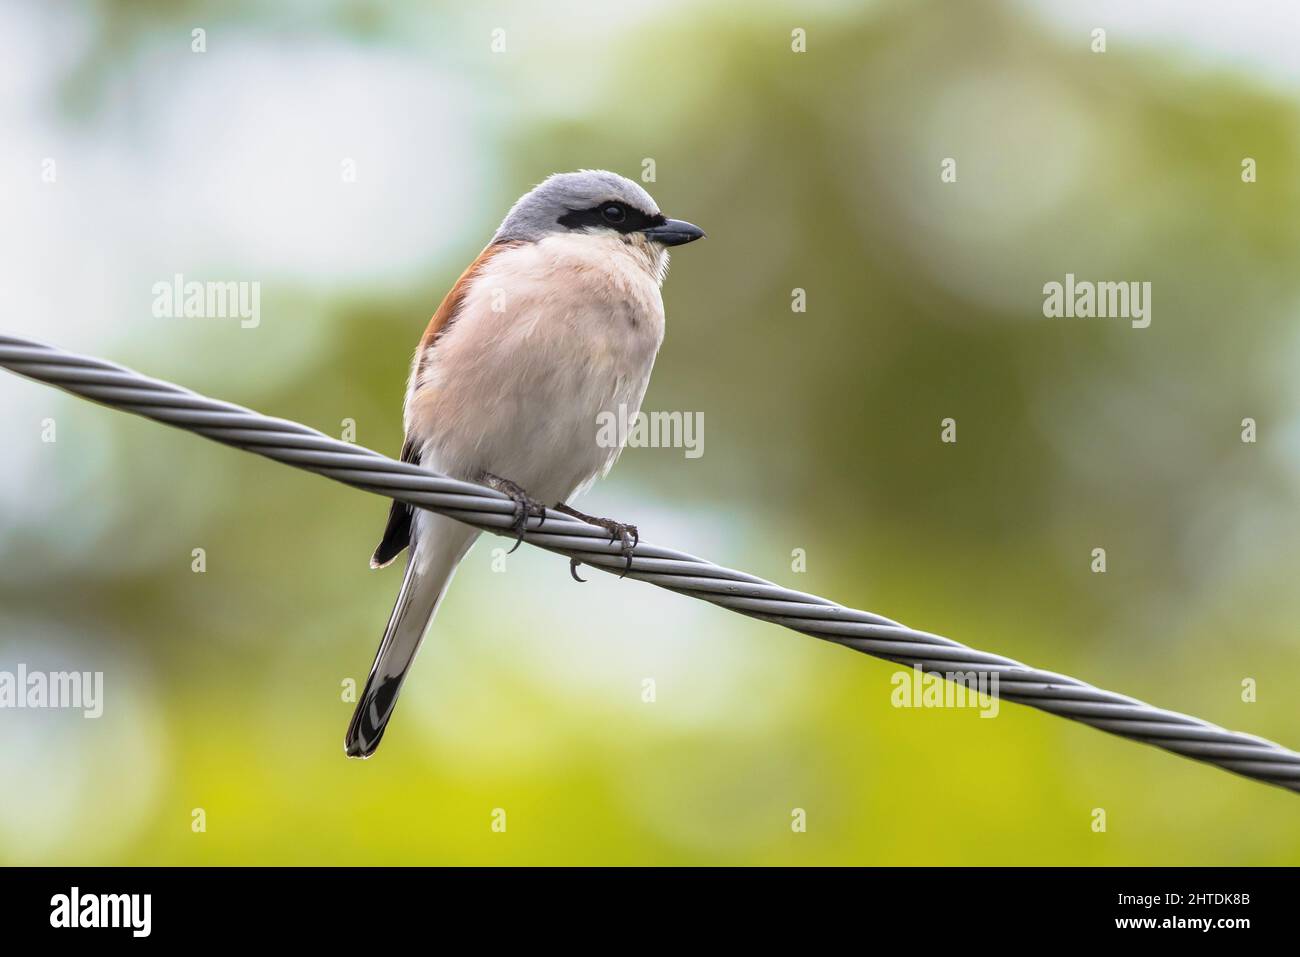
(302, 447)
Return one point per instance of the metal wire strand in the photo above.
(295, 444)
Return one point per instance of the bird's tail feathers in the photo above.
(429, 570)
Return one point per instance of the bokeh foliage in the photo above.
(818, 171)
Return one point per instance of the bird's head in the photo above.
(594, 203)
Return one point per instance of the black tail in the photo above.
(378, 701)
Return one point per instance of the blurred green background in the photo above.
(816, 170)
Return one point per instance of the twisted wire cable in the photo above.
(302, 447)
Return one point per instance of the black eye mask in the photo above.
(611, 215)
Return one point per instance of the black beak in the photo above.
(674, 232)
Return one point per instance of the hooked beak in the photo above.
(674, 232)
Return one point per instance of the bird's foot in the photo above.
(525, 505)
(618, 532)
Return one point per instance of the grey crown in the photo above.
(537, 212)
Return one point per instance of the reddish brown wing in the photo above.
(397, 534)
(446, 314)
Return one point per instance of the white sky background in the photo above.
(1258, 38)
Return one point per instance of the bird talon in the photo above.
(628, 546)
(525, 506)
(628, 535)
(574, 565)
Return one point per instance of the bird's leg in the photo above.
(525, 505)
(618, 532)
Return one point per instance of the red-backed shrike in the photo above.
(555, 325)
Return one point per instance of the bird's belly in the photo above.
(536, 403)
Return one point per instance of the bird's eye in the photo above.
(614, 213)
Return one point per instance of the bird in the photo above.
(553, 326)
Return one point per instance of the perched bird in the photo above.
(557, 321)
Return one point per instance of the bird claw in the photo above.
(574, 565)
(628, 535)
(526, 506)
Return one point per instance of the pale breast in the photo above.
(551, 340)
